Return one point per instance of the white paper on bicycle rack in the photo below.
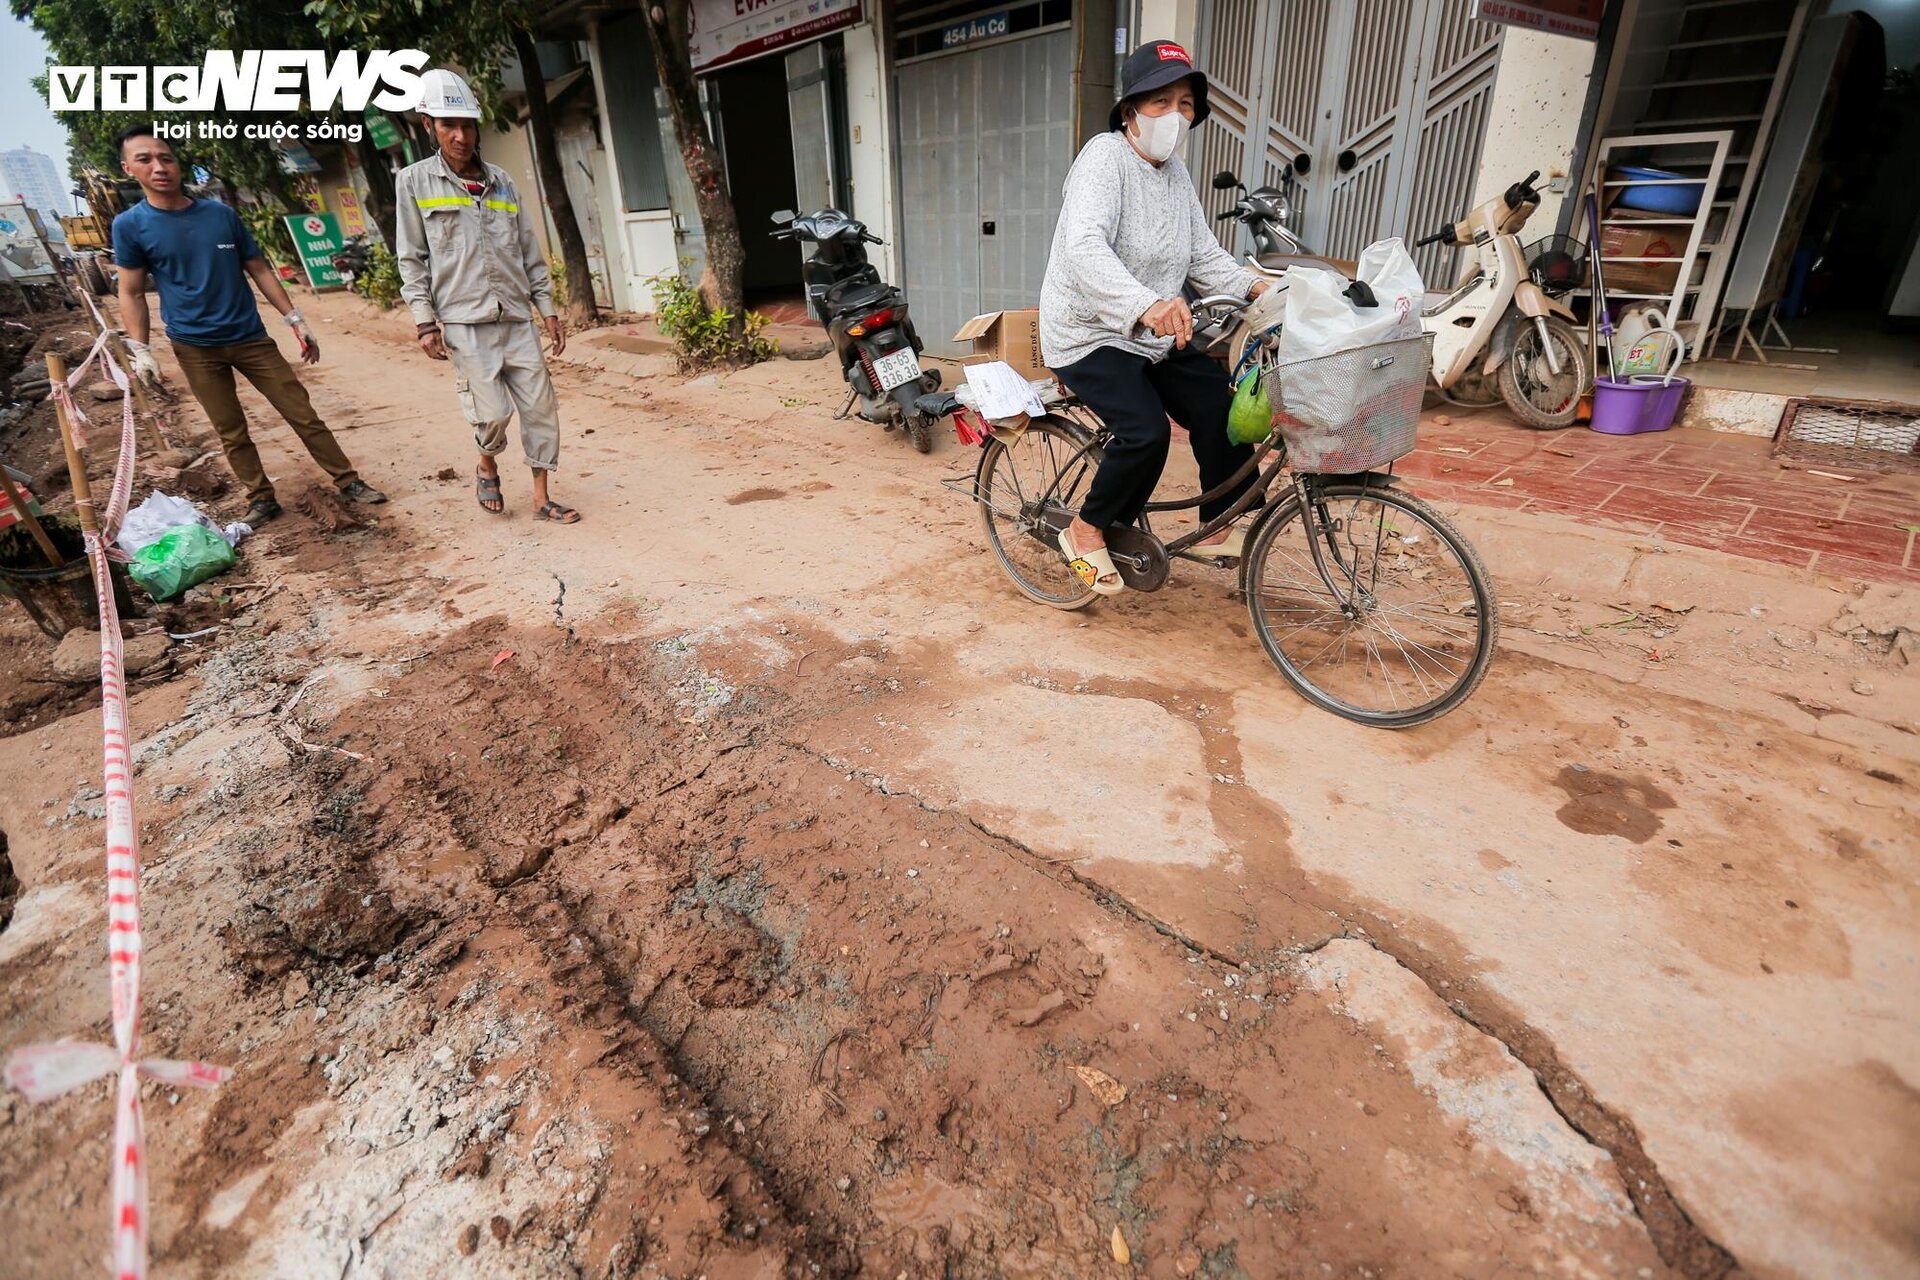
(1000, 392)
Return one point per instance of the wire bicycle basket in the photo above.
(1558, 264)
(1354, 410)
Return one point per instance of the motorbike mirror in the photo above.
(782, 217)
(1225, 180)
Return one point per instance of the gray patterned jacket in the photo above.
(1129, 235)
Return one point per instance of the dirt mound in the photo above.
(326, 508)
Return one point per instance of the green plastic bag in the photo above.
(1250, 420)
(184, 556)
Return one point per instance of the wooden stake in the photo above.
(76, 462)
(34, 527)
(118, 345)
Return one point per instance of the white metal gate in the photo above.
(1372, 112)
(986, 137)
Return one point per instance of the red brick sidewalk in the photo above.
(1699, 488)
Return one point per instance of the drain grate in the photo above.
(1874, 435)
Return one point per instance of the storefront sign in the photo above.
(380, 131)
(352, 221)
(317, 237)
(295, 158)
(20, 244)
(982, 28)
(1577, 18)
(729, 31)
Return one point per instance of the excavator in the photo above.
(90, 236)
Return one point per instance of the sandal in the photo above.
(1093, 567)
(558, 514)
(487, 489)
(1231, 547)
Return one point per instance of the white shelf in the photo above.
(1682, 301)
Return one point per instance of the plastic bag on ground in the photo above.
(183, 556)
(1322, 320)
(146, 523)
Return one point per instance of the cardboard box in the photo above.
(1623, 240)
(1012, 336)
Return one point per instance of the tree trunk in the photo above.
(720, 284)
(373, 163)
(553, 178)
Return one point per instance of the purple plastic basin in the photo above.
(1646, 403)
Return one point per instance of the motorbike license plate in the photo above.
(896, 368)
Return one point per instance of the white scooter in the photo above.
(1505, 309)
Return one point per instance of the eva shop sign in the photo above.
(723, 32)
(247, 80)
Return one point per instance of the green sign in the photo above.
(380, 130)
(317, 237)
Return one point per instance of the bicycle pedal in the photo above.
(1216, 562)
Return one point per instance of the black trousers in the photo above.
(1135, 396)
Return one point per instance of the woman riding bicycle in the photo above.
(1113, 325)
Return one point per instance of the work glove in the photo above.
(309, 349)
(145, 367)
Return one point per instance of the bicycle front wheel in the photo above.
(1401, 626)
(1027, 486)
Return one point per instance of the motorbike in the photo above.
(867, 321)
(1502, 334)
(353, 259)
(1505, 321)
(1264, 212)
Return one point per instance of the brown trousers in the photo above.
(210, 371)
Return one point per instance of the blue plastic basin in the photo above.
(1682, 199)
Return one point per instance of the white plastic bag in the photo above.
(148, 522)
(1389, 270)
(1321, 320)
(1321, 400)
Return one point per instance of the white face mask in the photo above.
(1160, 136)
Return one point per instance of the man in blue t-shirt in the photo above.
(200, 255)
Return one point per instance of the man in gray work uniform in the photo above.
(473, 274)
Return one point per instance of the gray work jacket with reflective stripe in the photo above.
(466, 259)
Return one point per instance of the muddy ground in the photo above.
(700, 892)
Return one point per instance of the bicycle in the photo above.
(1330, 618)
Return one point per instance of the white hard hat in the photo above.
(444, 95)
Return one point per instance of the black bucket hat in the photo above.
(1154, 65)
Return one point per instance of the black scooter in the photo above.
(1264, 211)
(866, 319)
(353, 259)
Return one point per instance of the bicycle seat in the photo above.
(937, 404)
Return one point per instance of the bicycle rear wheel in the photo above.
(1407, 629)
(1025, 485)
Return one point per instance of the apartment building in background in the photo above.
(31, 176)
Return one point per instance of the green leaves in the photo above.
(702, 336)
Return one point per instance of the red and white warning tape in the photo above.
(46, 1071)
